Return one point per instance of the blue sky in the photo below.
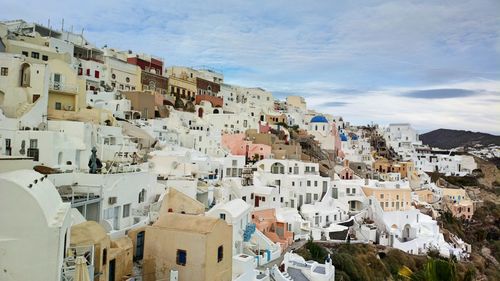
(432, 63)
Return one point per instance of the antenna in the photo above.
(62, 25)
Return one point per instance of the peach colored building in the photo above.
(382, 165)
(237, 144)
(391, 199)
(196, 247)
(267, 223)
(275, 119)
(458, 203)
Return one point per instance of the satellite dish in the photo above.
(42, 126)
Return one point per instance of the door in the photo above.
(257, 199)
(57, 81)
(116, 218)
(301, 200)
(111, 271)
(139, 249)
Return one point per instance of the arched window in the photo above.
(277, 168)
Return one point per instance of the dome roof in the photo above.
(319, 119)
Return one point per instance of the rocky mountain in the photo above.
(446, 138)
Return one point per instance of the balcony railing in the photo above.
(63, 87)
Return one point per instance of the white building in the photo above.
(35, 227)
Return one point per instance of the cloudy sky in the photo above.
(435, 64)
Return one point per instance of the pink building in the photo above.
(264, 128)
(266, 222)
(346, 173)
(237, 144)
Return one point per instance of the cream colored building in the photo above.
(197, 247)
(296, 101)
(23, 85)
(121, 75)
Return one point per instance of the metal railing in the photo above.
(63, 87)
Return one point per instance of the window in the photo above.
(33, 143)
(88, 72)
(235, 163)
(35, 55)
(58, 106)
(308, 183)
(104, 256)
(220, 253)
(25, 53)
(127, 80)
(113, 76)
(80, 71)
(222, 216)
(381, 196)
(126, 210)
(45, 58)
(181, 257)
(4, 71)
(142, 196)
(96, 74)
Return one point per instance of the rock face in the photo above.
(446, 139)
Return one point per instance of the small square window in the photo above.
(222, 216)
(4, 71)
(45, 58)
(181, 257)
(35, 55)
(26, 54)
(58, 106)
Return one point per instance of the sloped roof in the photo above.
(87, 233)
(188, 223)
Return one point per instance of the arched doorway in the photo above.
(406, 232)
(216, 111)
(200, 112)
(25, 75)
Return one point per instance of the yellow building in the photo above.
(390, 199)
(196, 247)
(66, 90)
(182, 82)
(175, 201)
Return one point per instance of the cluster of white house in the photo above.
(107, 155)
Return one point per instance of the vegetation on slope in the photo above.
(355, 262)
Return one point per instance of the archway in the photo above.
(216, 111)
(25, 75)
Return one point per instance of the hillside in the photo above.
(446, 139)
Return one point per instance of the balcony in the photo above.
(63, 87)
